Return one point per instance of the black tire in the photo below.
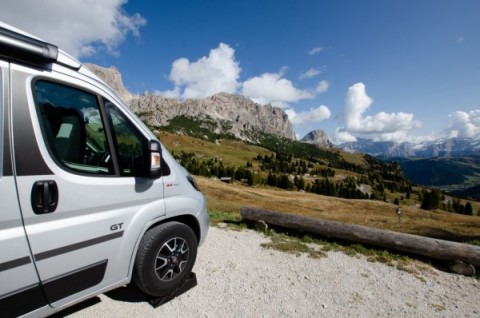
(165, 258)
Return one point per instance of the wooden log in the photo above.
(414, 244)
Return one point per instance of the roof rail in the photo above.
(20, 46)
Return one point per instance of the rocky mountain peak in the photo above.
(113, 78)
(317, 137)
(231, 113)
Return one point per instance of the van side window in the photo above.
(130, 143)
(73, 127)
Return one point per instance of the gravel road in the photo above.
(239, 278)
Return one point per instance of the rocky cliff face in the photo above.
(317, 137)
(233, 114)
(113, 78)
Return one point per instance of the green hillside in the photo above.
(290, 165)
(275, 162)
(448, 173)
(472, 193)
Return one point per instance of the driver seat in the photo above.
(70, 139)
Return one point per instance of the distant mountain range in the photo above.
(450, 164)
(453, 147)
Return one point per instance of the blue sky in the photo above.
(388, 70)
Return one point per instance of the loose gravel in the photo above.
(239, 278)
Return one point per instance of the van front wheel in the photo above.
(165, 258)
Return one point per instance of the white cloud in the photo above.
(464, 124)
(381, 126)
(79, 27)
(219, 72)
(316, 50)
(314, 115)
(272, 88)
(216, 73)
(342, 136)
(310, 73)
(323, 86)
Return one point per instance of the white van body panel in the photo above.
(13, 240)
(88, 243)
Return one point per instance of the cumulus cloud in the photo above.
(322, 87)
(219, 72)
(313, 115)
(216, 73)
(381, 126)
(81, 27)
(464, 124)
(272, 88)
(342, 136)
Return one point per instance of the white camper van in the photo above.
(89, 198)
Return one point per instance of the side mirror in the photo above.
(155, 150)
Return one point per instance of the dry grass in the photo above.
(232, 152)
(230, 197)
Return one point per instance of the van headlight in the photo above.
(192, 181)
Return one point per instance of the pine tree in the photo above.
(272, 180)
(284, 183)
(250, 178)
(431, 199)
(468, 209)
(427, 202)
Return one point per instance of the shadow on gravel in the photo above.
(132, 294)
(129, 294)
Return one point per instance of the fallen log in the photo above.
(414, 244)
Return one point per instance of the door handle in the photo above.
(44, 196)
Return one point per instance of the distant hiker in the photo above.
(399, 214)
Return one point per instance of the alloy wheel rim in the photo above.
(172, 258)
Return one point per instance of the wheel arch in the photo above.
(187, 219)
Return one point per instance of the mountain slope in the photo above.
(469, 193)
(458, 172)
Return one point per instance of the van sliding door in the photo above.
(20, 290)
